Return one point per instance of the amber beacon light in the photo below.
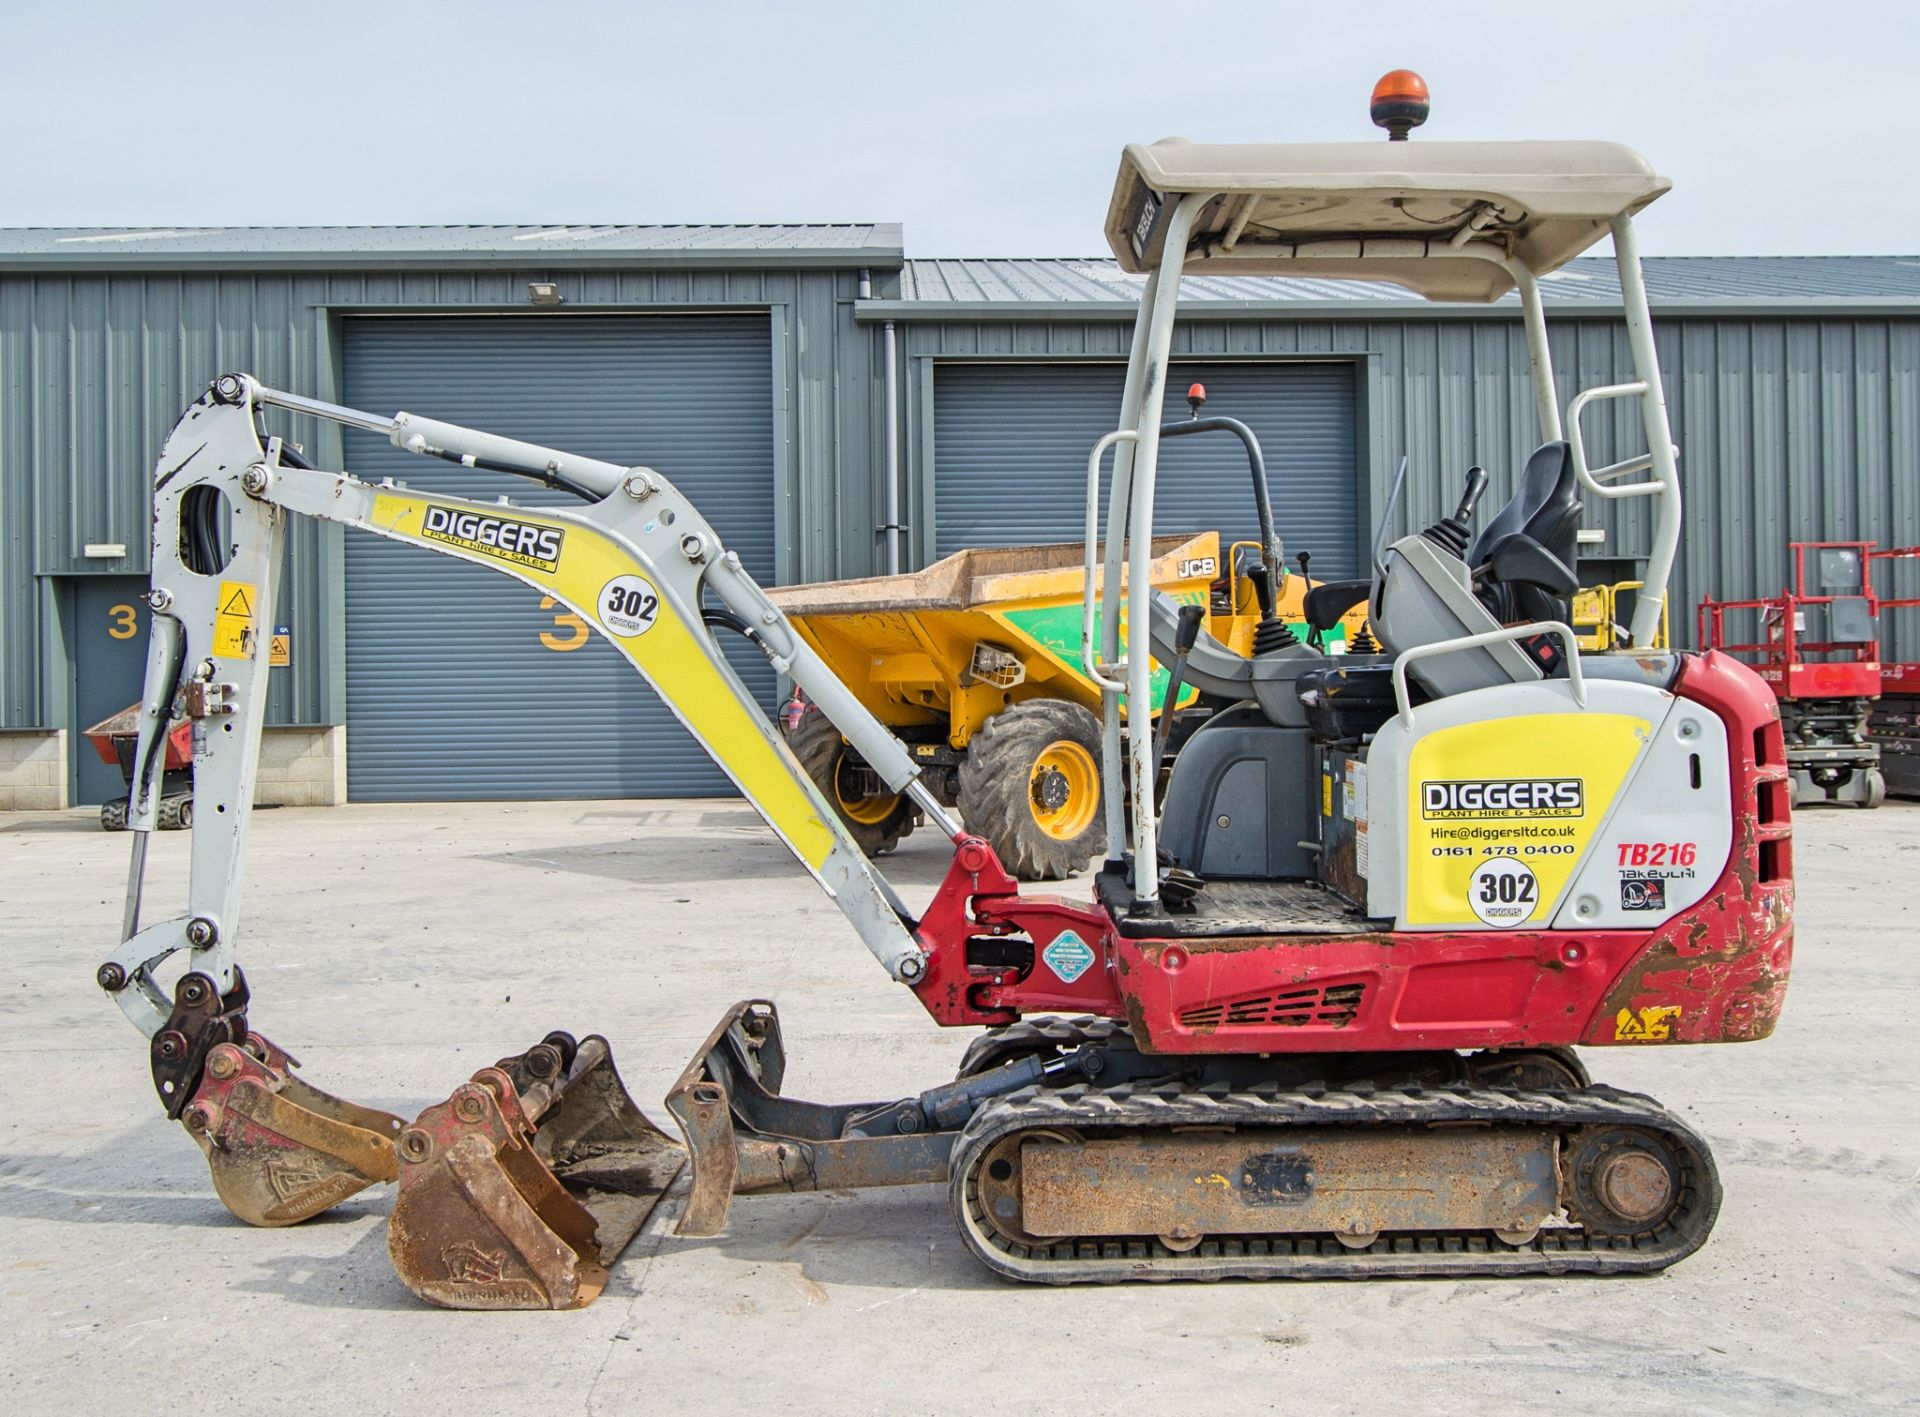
(1399, 103)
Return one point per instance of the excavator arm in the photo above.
(636, 561)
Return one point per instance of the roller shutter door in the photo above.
(460, 686)
(1011, 444)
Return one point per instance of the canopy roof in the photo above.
(1378, 211)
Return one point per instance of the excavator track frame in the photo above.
(1459, 1252)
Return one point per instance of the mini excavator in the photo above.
(1316, 1016)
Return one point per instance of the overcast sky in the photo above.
(987, 128)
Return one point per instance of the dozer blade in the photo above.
(746, 1139)
(281, 1150)
(523, 1187)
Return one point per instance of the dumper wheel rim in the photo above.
(997, 777)
(1063, 791)
(822, 753)
(867, 811)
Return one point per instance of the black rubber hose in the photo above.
(727, 620)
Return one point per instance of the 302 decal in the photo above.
(629, 605)
(1503, 892)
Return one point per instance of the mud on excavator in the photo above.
(1316, 1016)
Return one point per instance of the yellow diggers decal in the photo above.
(611, 590)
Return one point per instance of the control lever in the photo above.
(1451, 534)
(1314, 637)
(1184, 634)
(1262, 581)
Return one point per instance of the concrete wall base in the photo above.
(33, 771)
(302, 767)
(299, 767)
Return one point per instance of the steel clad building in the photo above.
(762, 368)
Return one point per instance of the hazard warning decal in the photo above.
(234, 633)
(1068, 956)
(1651, 1025)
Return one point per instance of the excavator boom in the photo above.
(508, 1211)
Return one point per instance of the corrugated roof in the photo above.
(1670, 279)
(836, 243)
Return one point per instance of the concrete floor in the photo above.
(395, 949)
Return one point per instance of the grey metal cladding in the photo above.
(456, 685)
(1011, 446)
(1789, 429)
(1791, 425)
(94, 369)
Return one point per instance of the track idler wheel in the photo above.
(523, 1187)
(1621, 1181)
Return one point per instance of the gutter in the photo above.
(1203, 311)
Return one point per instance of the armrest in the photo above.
(1325, 604)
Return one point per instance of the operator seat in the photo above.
(1437, 587)
(1522, 560)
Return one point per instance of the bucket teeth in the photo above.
(523, 1187)
(280, 1150)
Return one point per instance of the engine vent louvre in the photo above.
(1334, 1006)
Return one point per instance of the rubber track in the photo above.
(1466, 1254)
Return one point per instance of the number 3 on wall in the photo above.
(563, 619)
(123, 622)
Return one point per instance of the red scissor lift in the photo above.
(1818, 645)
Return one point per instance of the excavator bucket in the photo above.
(281, 1150)
(523, 1187)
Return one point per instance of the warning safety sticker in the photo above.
(234, 635)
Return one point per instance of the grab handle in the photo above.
(1576, 676)
(1088, 660)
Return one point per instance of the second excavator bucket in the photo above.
(280, 1150)
(523, 1187)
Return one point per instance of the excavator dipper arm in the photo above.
(635, 562)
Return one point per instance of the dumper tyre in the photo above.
(176, 813)
(113, 815)
(877, 824)
(1030, 785)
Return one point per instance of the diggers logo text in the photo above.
(1508, 797)
(523, 543)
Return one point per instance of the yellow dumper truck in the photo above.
(976, 662)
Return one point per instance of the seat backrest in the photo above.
(1545, 506)
(1541, 524)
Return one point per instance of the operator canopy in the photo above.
(1433, 217)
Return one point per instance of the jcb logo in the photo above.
(1197, 566)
